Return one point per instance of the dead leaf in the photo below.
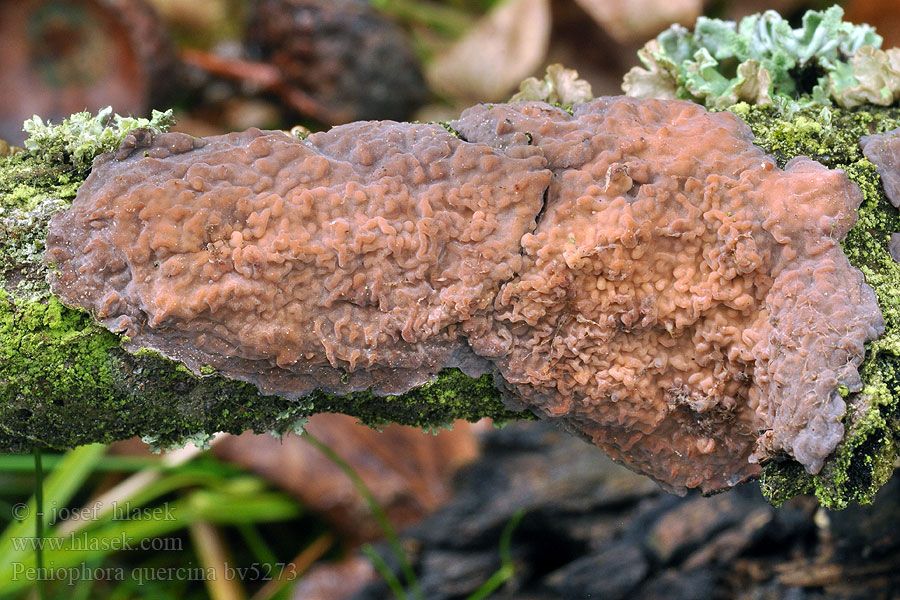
(881, 14)
(504, 47)
(638, 20)
(406, 469)
(335, 581)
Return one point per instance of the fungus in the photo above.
(894, 246)
(346, 261)
(681, 293)
(636, 270)
(883, 150)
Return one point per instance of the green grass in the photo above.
(137, 544)
(178, 526)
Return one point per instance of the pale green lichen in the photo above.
(560, 86)
(83, 136)
(763, 60)
(871, 77)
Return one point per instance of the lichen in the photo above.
(81, 137)
(559, 86)
(864, 461)
(763, 60)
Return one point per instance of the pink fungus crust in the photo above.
(681, 294)
(636, 270)
(883, 150)
(344, 262)
(894, 246)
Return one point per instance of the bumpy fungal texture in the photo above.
(865, 458)
(673, 296)
(65, 381)
(341, 263)
(894, 246)
(883, 150)
(680, 291)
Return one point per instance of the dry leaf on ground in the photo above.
(638, 20)
(406, 469)
(501, 50)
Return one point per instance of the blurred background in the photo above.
(232, 64)
(519, 513)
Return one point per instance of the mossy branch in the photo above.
(65, 380)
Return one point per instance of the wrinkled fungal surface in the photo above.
(681, 293)
(636, 270)
(883, 150)
(894, 246)
(344, 262)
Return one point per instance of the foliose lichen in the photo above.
(763, 60)
(81, 137)
(560, 86)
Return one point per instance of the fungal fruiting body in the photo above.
(344, 262)
(636, 270)
(883, 150)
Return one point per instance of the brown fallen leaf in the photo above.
(406, 469)
(802, 573)
(503, 48)
(882, 14)
(58, 58)
(638, 20)
(335, 581)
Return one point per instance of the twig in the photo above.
(263, 76)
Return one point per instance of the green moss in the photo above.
(450, 130)
(452, 395)
(864, 460)
(65, 381)
(31, 191)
